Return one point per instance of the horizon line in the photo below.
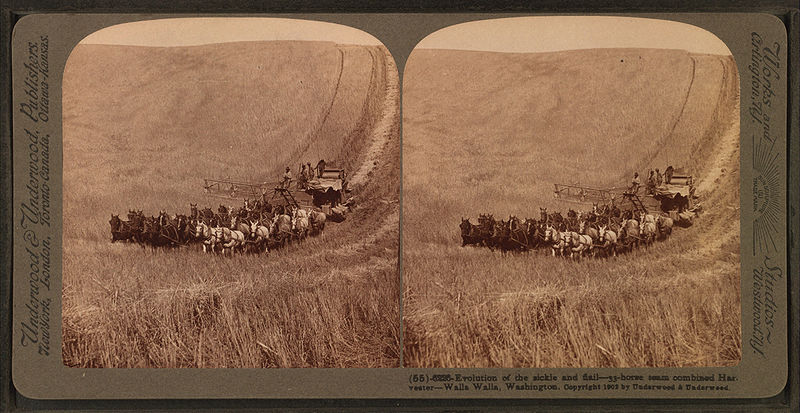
(564, 50)
(223, 42)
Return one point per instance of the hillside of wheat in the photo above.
(143, 126)
(488, 132)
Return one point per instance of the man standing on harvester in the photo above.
(635, 183)
(287, 178)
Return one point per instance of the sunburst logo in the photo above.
(766, 196)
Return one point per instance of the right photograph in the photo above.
(571, 196)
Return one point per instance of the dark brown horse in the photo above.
(317, 220)
(207, 215)
(486, 225)
(500, 236)
(517, 234)
(120, 230)
(136, 222)
(160, 235)
(535, 233)
(470, 234)
(185, 229)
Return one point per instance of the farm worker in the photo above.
(659, 179)
(651, 182)
(668, 174)
(287, 178)
(634, 184)
(320, 167)
(303, 178)
(310, 171)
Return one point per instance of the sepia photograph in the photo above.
(571, 196)
(231, 196)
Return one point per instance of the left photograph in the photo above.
(231, 196)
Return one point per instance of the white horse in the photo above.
(664, 226)
(647, 228)
(608, 239)
(240, 225)
(207, 233)
(317, 220)
(281, 228)
(643, 217)
(300, 223)
(588, 229)
(580, 243)
(230, 239)
(299, 212)
(557, 238)
(629, 234)
(260, 234)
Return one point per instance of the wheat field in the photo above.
(487, 132)
(144, 125)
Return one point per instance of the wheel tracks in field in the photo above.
(315, 133)
(668, 136)
(358, 271)
(723, 155)
(685, 100)
(390, 223)
(381, 132)
(726, 148)
(336, 88)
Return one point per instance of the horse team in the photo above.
(254, 227)
(604, 231)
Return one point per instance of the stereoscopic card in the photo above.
(240, 207)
